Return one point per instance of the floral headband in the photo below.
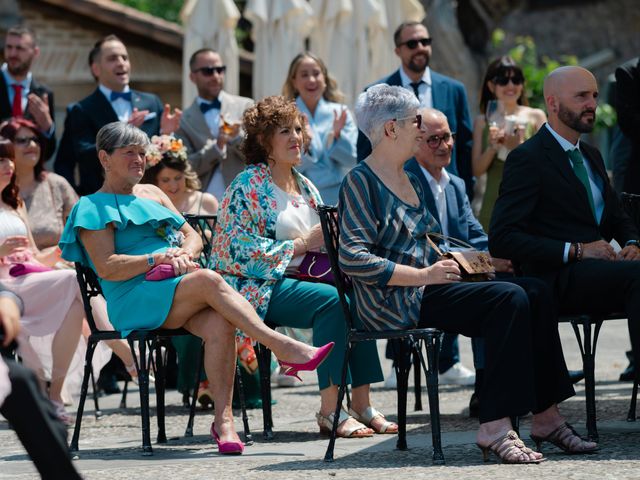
(162, 145)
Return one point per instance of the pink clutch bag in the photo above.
(21, 269)
(160, 272)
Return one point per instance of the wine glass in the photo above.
(495, 114)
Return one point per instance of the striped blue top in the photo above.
(378, 231)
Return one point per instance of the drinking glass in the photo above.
(495, 114)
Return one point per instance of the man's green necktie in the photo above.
(581, 172)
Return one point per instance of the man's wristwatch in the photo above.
(635, 243)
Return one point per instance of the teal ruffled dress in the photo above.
(141, 226)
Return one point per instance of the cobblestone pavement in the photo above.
(110, 446)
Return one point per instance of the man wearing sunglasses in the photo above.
(21, 95)
(213, 144)
(413, 47)
(113, 100)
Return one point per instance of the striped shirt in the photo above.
(378, 231)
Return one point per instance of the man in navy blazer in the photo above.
(413, 47)
(113, 100)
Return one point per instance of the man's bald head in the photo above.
(431, 115)
(435, 128)
(571, 97)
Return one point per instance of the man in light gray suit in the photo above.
(213, 143)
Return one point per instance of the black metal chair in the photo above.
(205, 226)
(405, 343)
(153, 340)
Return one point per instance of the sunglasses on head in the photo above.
(417, 119)
(411, 44)
(503, 80)
(24, 141)
(208, 71)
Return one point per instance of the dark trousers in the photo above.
(34, 420)
(600, 286)
(524, 366)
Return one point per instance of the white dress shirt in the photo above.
(438, 191)
(424, 89)
(122, 107)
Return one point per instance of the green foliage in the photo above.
(536, 68)
(166, 9)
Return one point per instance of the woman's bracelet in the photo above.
(305, 243)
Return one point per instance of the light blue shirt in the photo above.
(596, 191)
(9, 80)
(328, 160)
(212, 117)
(424, 89)
(122, 107)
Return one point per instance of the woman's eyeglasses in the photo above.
(434, 141)
(412, 44)
(208, 71)
(24, 141)
(417, 119)
(503, 80)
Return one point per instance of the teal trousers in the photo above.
(298, 304)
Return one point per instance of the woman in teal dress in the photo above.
(505, 82)
(123, 231)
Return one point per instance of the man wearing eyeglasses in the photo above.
(413, 47)
(211, 127)
(21, 95)
(113, 100)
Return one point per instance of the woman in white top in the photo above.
(266, 224)
(52, 298)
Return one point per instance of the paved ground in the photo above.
(110, 446)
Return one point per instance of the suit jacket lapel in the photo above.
(453, 216)
(438, 97)
(100, 108)
(5, 108)
(195, 118)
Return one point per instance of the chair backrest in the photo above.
(89, 288)
(331, 233)
(205, 225)
(631, 205)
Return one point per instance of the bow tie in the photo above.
(206, 106)
(124, 95)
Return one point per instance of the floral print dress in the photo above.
(245, 250)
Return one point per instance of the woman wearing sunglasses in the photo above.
(495, 134)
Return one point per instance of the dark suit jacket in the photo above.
(463, 225)
(78, 143)
(627, 102)
(450, 97)
(542, 205)
(39, 89)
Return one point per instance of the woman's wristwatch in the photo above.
(151, 261)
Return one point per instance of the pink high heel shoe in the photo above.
(227, 448)
(292, 369)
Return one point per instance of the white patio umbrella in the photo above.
(210, 24)
(279, 28)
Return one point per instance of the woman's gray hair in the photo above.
(381, 103)
(120, 134)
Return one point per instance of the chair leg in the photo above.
(192, 407)
(631, 416)
(123, 400)
(433, 350)
(160, 384)
(248, 439)
(264, 366)
(588, 352)
(402, 366)
(143, 379)
(94, 387)
(417, 381)
(328, 456)
(91, 346)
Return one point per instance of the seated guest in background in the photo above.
(498, 132)
(332, 148)
(267, 223)
(557, 211)
(48, 198)
(23, 404)
(21, 95)
(399, 283)
(125, 230)
(210, 128)
(52, 298)
(113, 100)
(168, 168)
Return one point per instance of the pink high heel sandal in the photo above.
(227, 448)
(292, 369)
